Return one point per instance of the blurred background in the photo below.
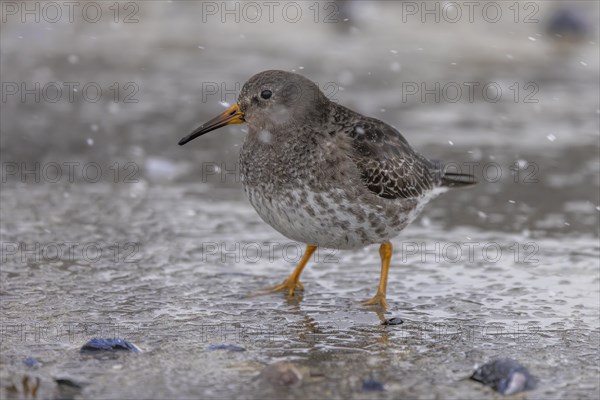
(96, 95)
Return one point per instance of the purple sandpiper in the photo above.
(324, 175)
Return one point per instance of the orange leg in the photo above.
(292, 282)
(385, 251)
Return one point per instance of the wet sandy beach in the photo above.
(109, 229)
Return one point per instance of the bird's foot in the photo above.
(289, 285)
(377, 300)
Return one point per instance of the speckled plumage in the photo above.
(329, 176)
(325, 175)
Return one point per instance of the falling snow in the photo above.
(265, 136)
(172, 219)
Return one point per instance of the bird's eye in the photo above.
(266, 94)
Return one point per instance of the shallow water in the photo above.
(164, 250)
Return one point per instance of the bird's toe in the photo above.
(377, 300)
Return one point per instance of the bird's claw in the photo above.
(288, 285)
(377, 300)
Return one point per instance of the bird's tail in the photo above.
(453, 178)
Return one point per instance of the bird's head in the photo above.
(271, 100)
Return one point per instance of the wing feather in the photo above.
(389, 167)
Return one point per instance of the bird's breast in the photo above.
(316, 198)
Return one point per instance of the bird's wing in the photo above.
(389, 167)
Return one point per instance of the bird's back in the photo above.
(353, 181)
(388, 165)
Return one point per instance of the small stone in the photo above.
(371, 385)
(97, 344)
(228, 347)
(31, 362)
(67, 389)
(505, 376)
(282, 373)
(393, 321)
(68, 383)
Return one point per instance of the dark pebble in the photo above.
(371, 385)
(228, 347)
(68, 383)
(67, 389)
(31, 362)
(505, 376)
(109, 345)
(393, 321)
(568, 21)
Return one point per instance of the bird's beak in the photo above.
(232, 116)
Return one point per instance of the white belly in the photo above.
(326, 220)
